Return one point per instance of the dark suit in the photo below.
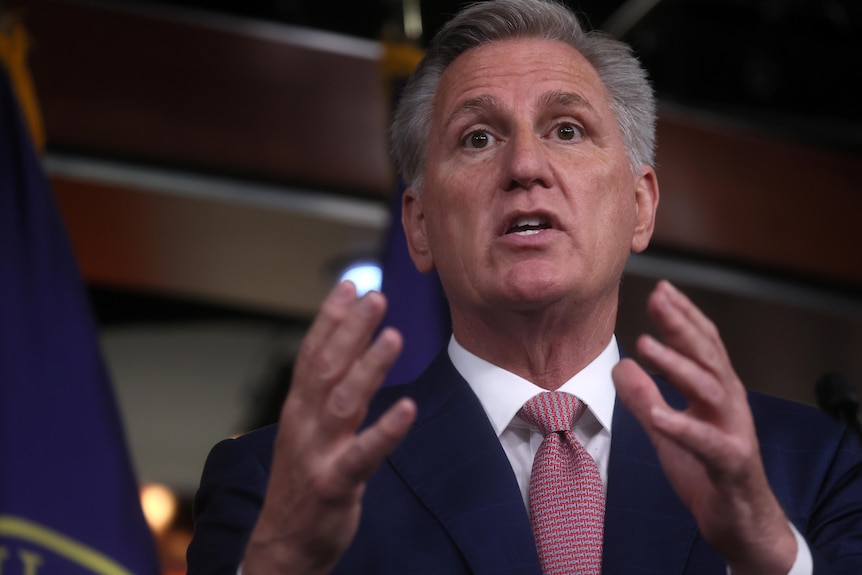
(446, 502)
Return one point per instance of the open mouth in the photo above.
(529, 225)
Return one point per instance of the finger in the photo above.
(348, 402)
(638, 392)
(350, 340)
(332, 312)
(700, 387)
(376, 442)
(328, 356)
(727, 456)
(685, 328)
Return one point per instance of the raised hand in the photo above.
(320, 463)
(709, 451)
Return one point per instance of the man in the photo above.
(527, 145)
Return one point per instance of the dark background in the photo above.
(794, 66)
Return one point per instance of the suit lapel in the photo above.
(648, 530)
(453, 462)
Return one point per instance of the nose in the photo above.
(527, 163)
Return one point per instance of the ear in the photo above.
(413, 221)
(646, 199)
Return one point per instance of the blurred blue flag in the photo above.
(417, 305)
(69, 501)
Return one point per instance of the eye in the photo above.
(478, 140)
(567, 131)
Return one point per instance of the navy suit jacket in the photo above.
(446, 501)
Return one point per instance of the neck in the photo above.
(546, 348)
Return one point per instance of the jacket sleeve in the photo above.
(226, 507)
(814, 465)
(834, 532)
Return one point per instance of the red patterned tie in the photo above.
(567, 503)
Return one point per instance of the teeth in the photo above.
(524, 222)
(528, 225)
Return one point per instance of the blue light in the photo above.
(367, 276)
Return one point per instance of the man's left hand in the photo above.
(709, 451)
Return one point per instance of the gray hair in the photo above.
(631, 96)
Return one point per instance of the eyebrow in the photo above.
(473, 106)
(565, 99)
(556, 98)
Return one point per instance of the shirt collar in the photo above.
(503, 393)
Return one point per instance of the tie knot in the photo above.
(553, 411)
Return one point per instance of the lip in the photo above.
(510, 218)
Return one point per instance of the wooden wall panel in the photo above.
(230, 252)
(261, 102)
(733, 193)
(248, 99)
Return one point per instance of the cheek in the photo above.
(442, 225)
(454, 238)
(454, 208)
(452, 233)
(608, 208)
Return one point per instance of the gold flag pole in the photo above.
(14, 47)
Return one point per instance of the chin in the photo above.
(535, 292)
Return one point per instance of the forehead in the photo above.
(517, 69)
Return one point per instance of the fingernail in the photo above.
(659, 415)
(403, 414)
(366, 306)
(345, 291)
(651, 345)
(671, 289)
(662, 297)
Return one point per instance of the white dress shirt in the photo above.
(502, 394)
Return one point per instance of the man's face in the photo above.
(529, 198)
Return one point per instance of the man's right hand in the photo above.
(320, 463)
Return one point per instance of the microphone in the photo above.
(837, 397)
